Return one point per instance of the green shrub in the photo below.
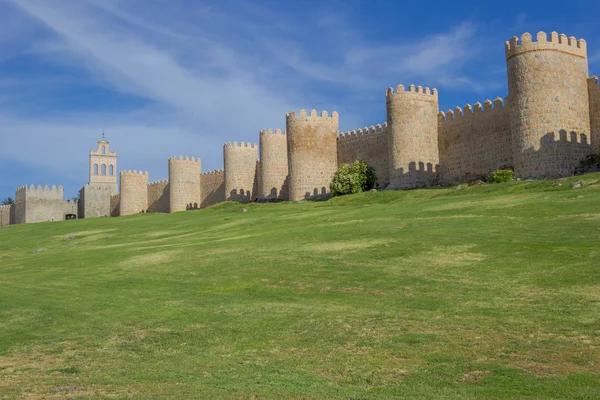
(501, 175)
(353, 178)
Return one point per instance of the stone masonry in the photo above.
(273, 166)
(184, 183)
(312, 153)
(134, 192)
(594, 97)
(240, 170)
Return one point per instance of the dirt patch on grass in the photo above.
(447, 256)
(474, 376)
(347, 245)
(146, 260)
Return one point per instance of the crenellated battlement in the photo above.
(184, 159)
(411, 90)
(593, 81)
(269, 132)
(213, 172)
(23, 190)
(134, 173)
(70, 203)
(159, 183)
(470, 110)
(242, 145)
(558, 42)
(115, 196)
(5, 208)
(372, 130)
(313, 114)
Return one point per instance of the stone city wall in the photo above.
(312, 153)
(70, 208)
(240, 171)
(158, 196)
(39, 204)
(369, 144)
(273, 165)
(549, 104)
(115, 205)
(94, 199)
(134, 193)
(413, 136)
(184, 183)
(594, 98)
(474, 143)
(212, 185)
(7, 215)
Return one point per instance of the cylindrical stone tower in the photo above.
(134, 192)
(273, 166)
(184, 183)
(412, 119)
(240, 171)
(549, 105)
(312, 153)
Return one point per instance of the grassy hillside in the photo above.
(491, 291)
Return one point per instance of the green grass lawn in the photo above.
(487, 292)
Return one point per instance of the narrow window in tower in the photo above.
(103, 150)
(95, 169)
(111, 170)
(103, 169)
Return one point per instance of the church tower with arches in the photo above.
(94, 198)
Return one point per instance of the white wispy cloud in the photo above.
(207, 74)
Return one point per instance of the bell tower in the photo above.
(103, 164)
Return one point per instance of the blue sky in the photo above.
(181, 77)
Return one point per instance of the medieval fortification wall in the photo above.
(39, 204)
(115, 205)
(548, 104)
(134, 193)
(547, 124)
(474, 142)
(594, 99)
(184, 183)
(240, 171)
(158, 197)
(369, 144)
(94, 199)
(413, 136)
(312, 153)
(212, 188)
(273, 165)
(7, 215)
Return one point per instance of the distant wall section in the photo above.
(212, 186)
(594, 97)
(369, 144)
(39, 204)
(184, 183)
(475, 142)
(273, 165)
(240, 171)
(94, 199)
(134, 192)
(158, 197)
(7, 215)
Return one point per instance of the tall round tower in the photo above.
(312, 153)
(548, 103)
(134, 192)
(273, 165)
(412, 118)
(184, 183)
(240, 171)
